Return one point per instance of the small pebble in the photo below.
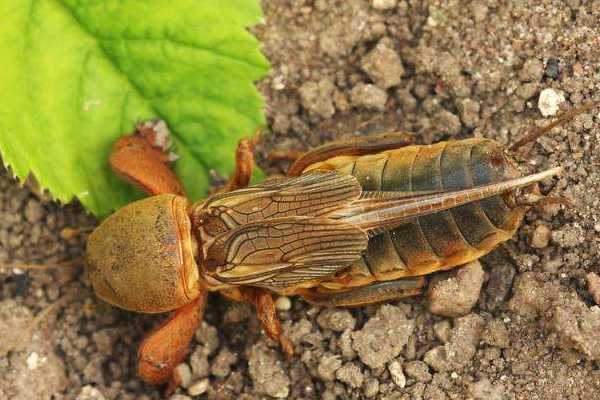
(540, 237)
(532, 71)
(317, 98)
(371, 387)
(267, 372)
(496, 334)
(89, 392)
(441, 330)
(383, 65)
(221, 364)
(208, 336)
(283, 303)
(328, 365)
(461, 347)
(384, 4)
(180, 397)
(578, 69)
(447, 122)
(551, 70)
(198, 388)
(469, 111)
(336, 319)
(185, 374)
(383, 336)
(350, 374)
(397, 374)
(593, 281)
(368, 96)
(549, 101)
(418, 370)
(199, 363)
(458, 292)
(484, 390)
(33, 360)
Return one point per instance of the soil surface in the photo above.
(522, 324)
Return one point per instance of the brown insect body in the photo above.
(440, 240)
(356, 222)
(292, 236)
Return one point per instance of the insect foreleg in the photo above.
(142, 158)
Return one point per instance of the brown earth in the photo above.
(440, 69)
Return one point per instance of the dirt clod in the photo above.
(317, 98)
(335, 319)
(417, 370)
(455, 293)
(577, 326)
(461, 345)
(328, 365)
(383, 336)
(540, 237)
(593, 281)
(368, 96)
(383, 65)
(266, 370)
(350, 374)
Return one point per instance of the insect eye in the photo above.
(211, 224)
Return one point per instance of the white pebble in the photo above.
(199, 387)
(185, 374)
(283, 303)
(549, 101)
(397, 374)
(384, 4)
(33, 360)
(89, 392)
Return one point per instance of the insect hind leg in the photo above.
(374, 293)
(542, 201)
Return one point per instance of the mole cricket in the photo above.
(355, 222)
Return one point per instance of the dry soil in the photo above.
(439, 69)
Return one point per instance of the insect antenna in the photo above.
(563, 119)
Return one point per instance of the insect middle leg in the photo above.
(265, 306)
(374, 293)
(244, 164)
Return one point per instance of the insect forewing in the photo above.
(277, 233)
(315, 194)
(284, 251)
(374, 214)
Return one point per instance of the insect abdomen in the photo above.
(444, 239)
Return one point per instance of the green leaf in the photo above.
(76, 74)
